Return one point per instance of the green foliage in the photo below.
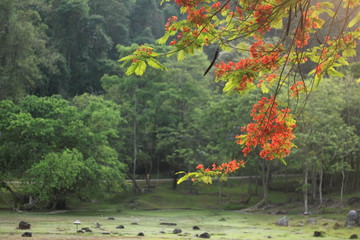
(56, 176)
(40, 134)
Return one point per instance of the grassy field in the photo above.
(185, 207)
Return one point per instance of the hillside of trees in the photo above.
(72, 124)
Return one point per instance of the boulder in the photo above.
(196, 228)
(24, 225)
(140, 234)
(204, 235)
(27, 234)
(284, 222)
(318, 234)
(111, 218)
(177, 231)
(354, 236)
(120, 227)
(352, 217)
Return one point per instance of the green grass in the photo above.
(187, 206)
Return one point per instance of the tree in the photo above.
(24, 54)
(40, 134)
(319, 37)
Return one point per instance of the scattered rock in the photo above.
(162, 232)
(24, 225)
(318, 234)
(354, 236)
(177, 231)
(222, 219)
(196, 228)
(120, 227)
(134, 223)
(140, 234)
(204, 235)
(168, 224)
(284, 222)
(269, 236)
(80, 231)
(27, 234)
(86, 229)
(106, 233)
(111, 218)
(352, 217)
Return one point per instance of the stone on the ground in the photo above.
(354, 236)
(86, 229)
(111, 218)
(318, 234)
(168, 224)
(120, 227)
(204, 235)
(140, 234)
(352, 217)
(177, 231)
(196, 228)
(80, 231)
(24, 225)
(27, 234)
(284, 222)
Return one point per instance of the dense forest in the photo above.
(72, 124)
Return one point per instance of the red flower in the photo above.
(200, 166)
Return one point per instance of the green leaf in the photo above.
(283, 161)
(131, 69)
(354, 21)
(155, 64)
(264, 88)
(181, 55)
(350, 52)
(277, 24)
(358, 80)
(164, 38)
(129, 57)
(331, 71)
(140, 68)
(230, 85)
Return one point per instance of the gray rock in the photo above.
(177, 231)
(352, 217)
(284, 222)
(354, 236)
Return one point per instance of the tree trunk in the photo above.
(342, 187)
(175, 179)
(306, 207)
(265, 169)
(136, 187)
(321, 182)
(220, 191)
